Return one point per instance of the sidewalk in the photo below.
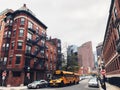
(13, 88)
(110, 87)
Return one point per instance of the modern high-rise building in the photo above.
(72, 55)
(86, 58)
(99, 49)
(24, 56)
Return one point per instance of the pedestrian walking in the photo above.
(103, 84)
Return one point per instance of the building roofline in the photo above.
(36, 19)
(109, 17)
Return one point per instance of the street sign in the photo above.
(4, 73)
(103, 72)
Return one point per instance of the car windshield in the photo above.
(93, 80)
(56, 76)
(36, 82)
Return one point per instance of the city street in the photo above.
(83, 85)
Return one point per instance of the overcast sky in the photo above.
(72, 21)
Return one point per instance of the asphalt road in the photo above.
(83, 85)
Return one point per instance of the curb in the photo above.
(109, 87)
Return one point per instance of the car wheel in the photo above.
(37, 87)
(46, 85)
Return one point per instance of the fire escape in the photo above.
(39, 54)
(6, 40)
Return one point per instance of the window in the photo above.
(28, 49)
(115, 12)
(3, 47)
(14, 32)
(18, 58)
(37, 30)
(10, 60)
(16, 74)
(9, 33)
(10, 22)
(59, 51)
(59, 45)
(12, 45)
(21, 32)
(47, 66)
(5, 34)
(29, 35)
(118, 28)
(7, 46)
(30, 25)
(43, 42)
(5, 61)
(42, 52)
(50, 66)
(36, 49)
(19, 46)
(22, 21)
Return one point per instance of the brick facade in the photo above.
(111, 39)
(23, 49)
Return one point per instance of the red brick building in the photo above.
(57, 43)
(111, 44)
(24, 55)
(51, 56)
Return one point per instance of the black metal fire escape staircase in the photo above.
(40, 60)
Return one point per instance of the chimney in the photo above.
(24, 5)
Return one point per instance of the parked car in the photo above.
(82, 78)
(93, 82)
(38, 84)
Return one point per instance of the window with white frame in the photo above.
(47, 66)
(7, 46)
(19, 45)
(22, 21)
(43, 42)
(21, 32)
(5, 61)
(3, 46)
(59, 44)
(29, 35)
(9, 33)
(30, 24)
(11, 21)
(28, 48)
(115, 12)
(50, 66)
(5, 34)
